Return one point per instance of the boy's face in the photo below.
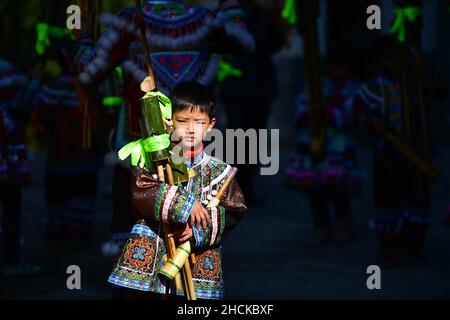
(192, 124)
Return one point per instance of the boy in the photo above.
(181, 206)
(184, 39)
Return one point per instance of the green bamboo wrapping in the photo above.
(153, 125)
(179, 171)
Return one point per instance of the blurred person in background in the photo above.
(331, 181)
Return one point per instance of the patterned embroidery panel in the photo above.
(207, 275)
(140, 260)
(209, 266)
(172, 68)
(206, 177)
(207, 272)
(188, 203)
(145, 252)
(139, 254)
(173, 204)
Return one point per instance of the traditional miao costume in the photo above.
(402, 212)
(182, 40)
(157, 202)
(336, 176)
(71, 171)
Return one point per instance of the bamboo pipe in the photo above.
(145, 45)
(186, 269)
(169, 238)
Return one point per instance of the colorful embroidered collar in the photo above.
(194, 158)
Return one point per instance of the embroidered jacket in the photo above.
(339, 166)
(159, 202)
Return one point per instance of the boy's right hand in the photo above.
(199, 216)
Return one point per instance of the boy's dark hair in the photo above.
(191, 94)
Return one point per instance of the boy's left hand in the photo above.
(182, 233)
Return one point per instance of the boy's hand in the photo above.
(182, 233)
(199, 216)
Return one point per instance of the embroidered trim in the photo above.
(198, 235)
(219, 179)
(214, 225)
(159, 199)
(143, 230)
(130, 283)
(186, 208)
(168, 202)
(158, 40)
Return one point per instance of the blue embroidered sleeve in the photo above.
(159, 201)
(213, 234)
(173, 204)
